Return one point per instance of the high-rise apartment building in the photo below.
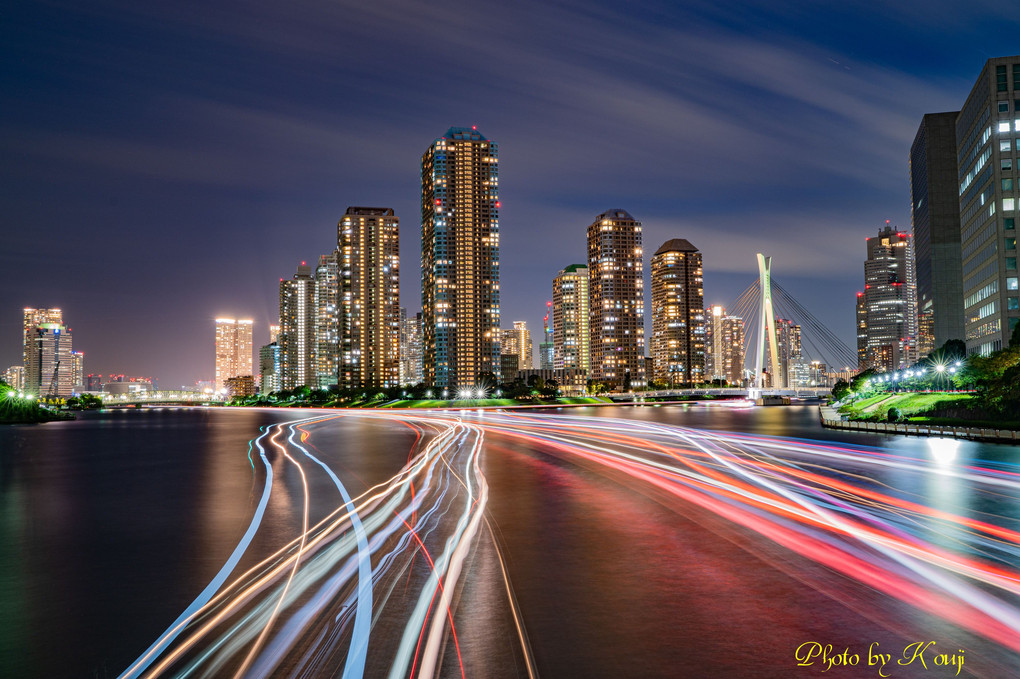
(724, 346)
(233, 350)
(988, 142)
(274, 332)
(297, 329)
(460, 258)
(327, 321)
(77, 368)
(788, 345)
(270, 368)
(368, 248)
(935, 215)
(522, 345)
(678, 314)
(616, 299)
(49, 367)
(570, 319)
(890, 302)
(15, 377)
(410, 348)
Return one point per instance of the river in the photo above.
(579, 566)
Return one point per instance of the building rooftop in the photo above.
(615, 213)
(370, 211)
(574, 267)
(471, 133)
(676, 245)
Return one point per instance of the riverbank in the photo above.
(833, 420)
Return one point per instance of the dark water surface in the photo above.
(110, 525)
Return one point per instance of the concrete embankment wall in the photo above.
(831, 419)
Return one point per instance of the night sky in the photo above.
(163, 166)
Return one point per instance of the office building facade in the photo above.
(988, 142)
(935, 218)
(678, 314)
(616, 300)
(460, 259)
(49, 369)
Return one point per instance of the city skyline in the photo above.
(221, 160)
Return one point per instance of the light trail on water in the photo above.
(317, 605)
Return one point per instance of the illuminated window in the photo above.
(1008, 203)
(1005, 145)
(1007, 164)
(1011, 243)
(1012, 283)
(1004, 126)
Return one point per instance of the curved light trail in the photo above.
(317, 605)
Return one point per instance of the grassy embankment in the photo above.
(925, 408)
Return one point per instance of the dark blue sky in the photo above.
(163, 166)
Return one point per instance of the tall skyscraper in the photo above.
(327, 321)
(46, 353)
(890, 302)
(678, 314)
(935, 215)
(988, 139)
(460, 258)
(410, 348)
(274, 332)
(369, 256)
(724, 346)
(616, 311)
(570, 319)
(49, 367)
(297, 329)
(233, 350)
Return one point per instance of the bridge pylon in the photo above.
(767, 329)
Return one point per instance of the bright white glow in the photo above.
(943, 451)
(1004, 126)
